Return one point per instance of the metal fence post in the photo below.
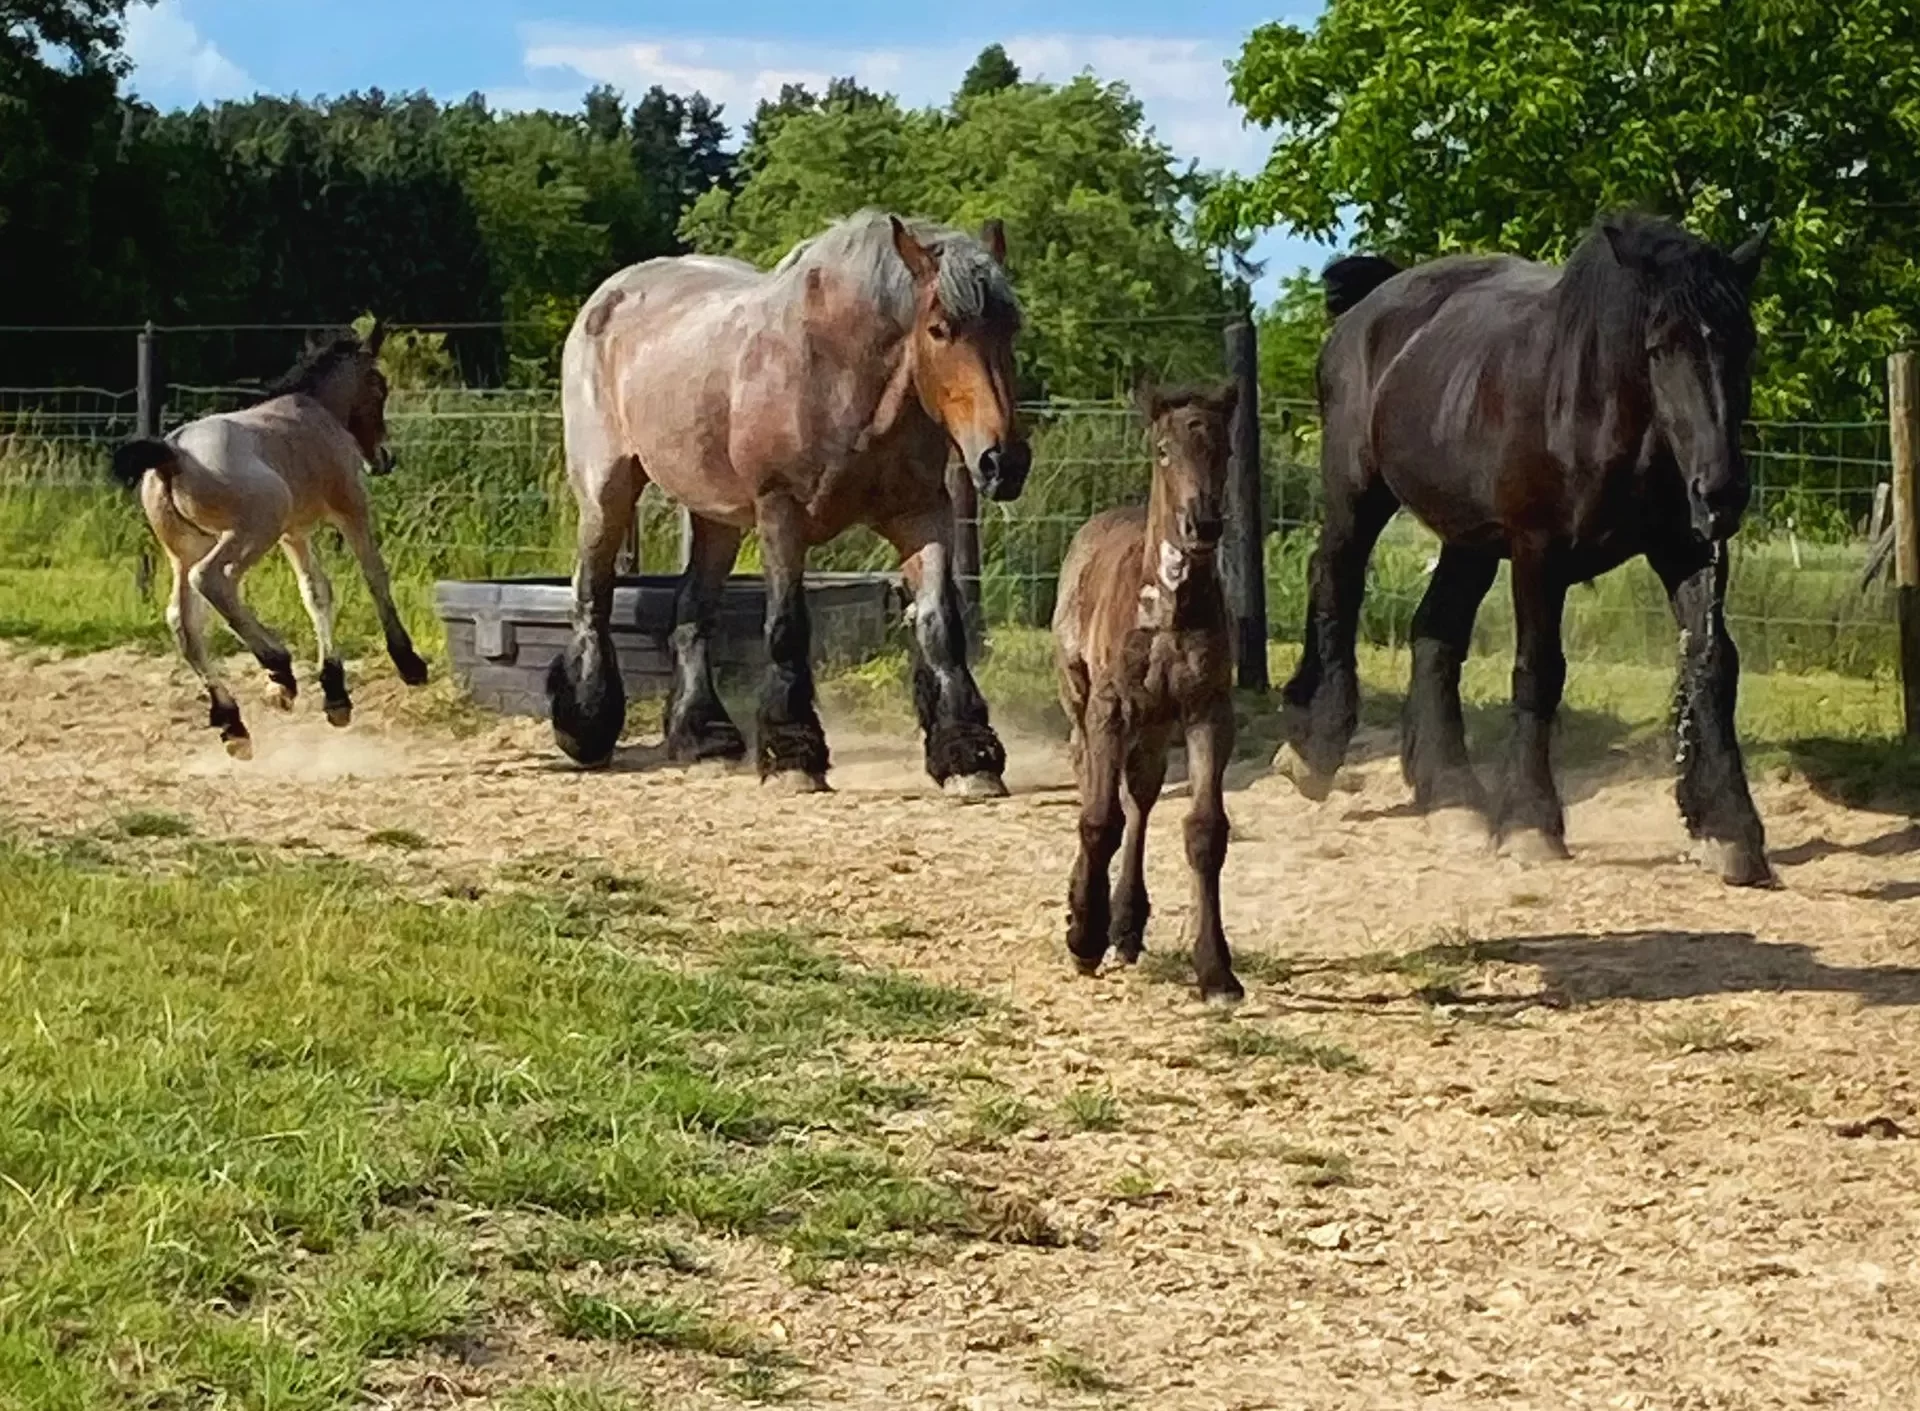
(1243, 555)
(1903, 435)
(147, 396)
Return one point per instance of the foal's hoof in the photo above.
(795, 781)
(1460, 827)
(975, 786)
(1734, 864)
(1533, 845)
(1289, 764)
(340, 716)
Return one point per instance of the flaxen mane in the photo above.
(973, 286)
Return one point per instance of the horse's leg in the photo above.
(1712, 786)
(1146, 772)
(1209, 747)
(1530, 818)
(317, 593)
(1433, 738)
(793, 746)
(587, 698)
(217, 579)
(963, 754)
(1324, 700)
(1089, 910)
(356, 527)
(186, 615)
(698, 726)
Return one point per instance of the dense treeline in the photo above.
(283, 211)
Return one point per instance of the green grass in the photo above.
(250, 1119)
(1064, 1369)
(1092, 1110)
(399, 839)
(661, 1322)
(1238, 1039)
(143, 823)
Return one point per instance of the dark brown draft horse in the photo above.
(1145, 647)
(221, 491)
(823, 394)
(1569, 418)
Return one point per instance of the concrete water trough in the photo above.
(503, 633)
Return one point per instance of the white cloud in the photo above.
(173, 63)
(1181, 85)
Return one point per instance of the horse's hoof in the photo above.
(1086, 967)
(796, 781)
(239, 746)
(1290, 765)
(1530, 845)
(1223, 997)
(339, 716)
(1461, 827)
(278, 696)
(975, 786)
(1733, 864)
(409, 663)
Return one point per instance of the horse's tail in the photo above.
(134, 459)
(1349, 280)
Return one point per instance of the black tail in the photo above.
(1349, 280)
(135, 458)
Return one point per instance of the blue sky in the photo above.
(548, 52)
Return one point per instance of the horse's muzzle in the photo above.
(1001, 471)
(382, 463)
(1717, 512)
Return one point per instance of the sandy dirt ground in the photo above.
(1642, 1141)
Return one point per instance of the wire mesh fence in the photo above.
(480, 492)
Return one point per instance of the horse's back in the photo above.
(1099, 587)
(284, 461)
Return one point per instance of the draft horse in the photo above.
(798, 402)
(1144, 646)
(1567, 418)
(219, 492)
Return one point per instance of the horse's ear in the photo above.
(377, 337)
(1147, 399)
(1747, 256)
(918, 259)
(994, 236)
(1621, 244)
(1226, 398)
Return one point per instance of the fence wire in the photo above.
(480, 492)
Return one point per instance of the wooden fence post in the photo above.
(1243, 554)
(147, 400)
(1903, 428)
(966, 545)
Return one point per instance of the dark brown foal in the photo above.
(1144, 645)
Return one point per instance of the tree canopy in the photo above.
(1437, 126)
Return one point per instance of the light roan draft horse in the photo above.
(223, 490)
(1144, 646)
(1568, 418)
(823, 394)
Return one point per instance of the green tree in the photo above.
(1096, 209)
(1441, 126)
(990, 73)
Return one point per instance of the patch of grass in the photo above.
(998, 1116)
(760, 1381)
(1064, 1369)
(143, 823)
(1700, 1033)
(562, 1244)
(1175, 967)
(1241, 1040)
(662, 1322)
(1092, 1109)
(245, 1126)
(1532, 1103)
(400, 839)
(581, 1396)
(1137, 1185)
(1318, 1169)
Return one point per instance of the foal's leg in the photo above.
(963, 753)
(1530, 817)
(1089, 914)
(1323, 698)
(217, 579)
(1433, 738)
(587, 698)
(1146, 772)
(356, 527)
(1209, 747)
(186, 615)
(1712, 788)
(317, 593)
(793, 745)
(698, 726)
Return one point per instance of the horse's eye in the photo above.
(939, 332)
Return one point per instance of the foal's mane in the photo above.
(973, 286)
(316, 365)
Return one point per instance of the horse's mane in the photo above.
(316, 365)
(1611, 285)
(973, 286)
